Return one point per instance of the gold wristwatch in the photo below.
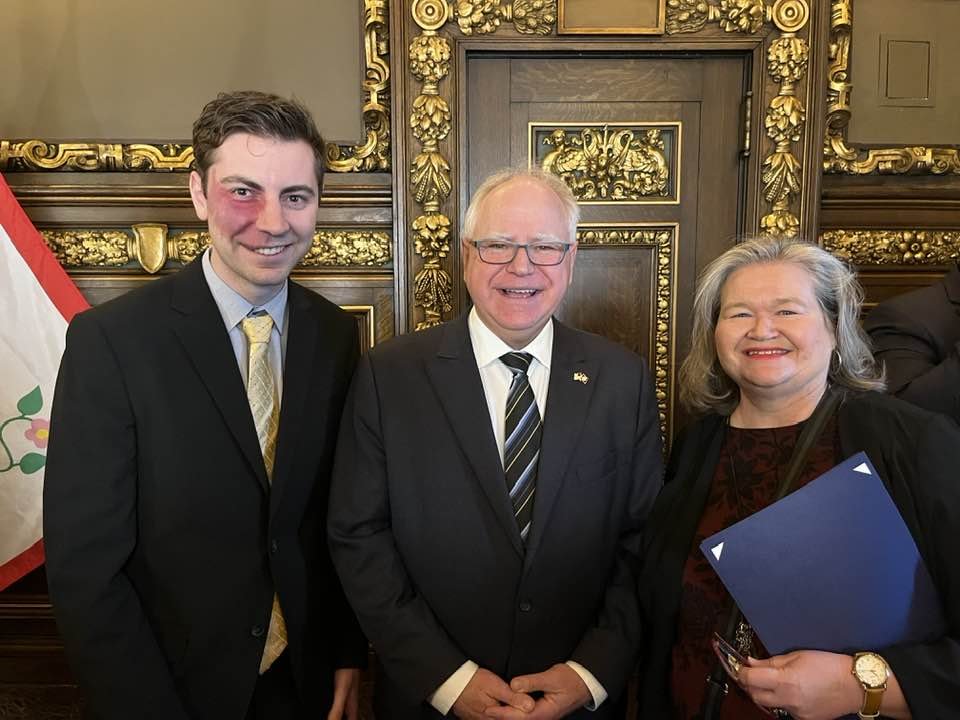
(872, 671)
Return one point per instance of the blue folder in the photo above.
(831, 566)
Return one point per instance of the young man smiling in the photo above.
(190, 450)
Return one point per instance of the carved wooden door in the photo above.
(653, 148)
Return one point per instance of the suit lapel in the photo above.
(200, 329)
(456, 381)
(568, 398)
(303, 368)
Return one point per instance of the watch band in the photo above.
(872, 698)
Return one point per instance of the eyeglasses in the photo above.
(502, 252)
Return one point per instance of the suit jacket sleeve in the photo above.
(415, 649)
(929, 673)
(919, 369)
(90, 522)
(609, 648)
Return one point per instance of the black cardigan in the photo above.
(916, 453)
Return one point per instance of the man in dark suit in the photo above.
(192, 438)
(492, 477)
(917, 337)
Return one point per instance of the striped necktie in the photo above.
(521, 445)
(264, 406)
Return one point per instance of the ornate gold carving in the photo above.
(78, 248)
(838, 155)
(151, 246)
(432, 285)
(604, 164)
(743, 16)
(787, 62)
(430, 15)
(894, 247)
(482, 17)
(374, 154)
(430, 120)
(430, 60)
(30, 155)
(790, 15)
(663, 239)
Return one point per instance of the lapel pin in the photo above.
(581, 377)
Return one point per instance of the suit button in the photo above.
(274, 546)
(525, 606)
(257, 631)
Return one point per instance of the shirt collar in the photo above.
(488, 347)
(234, 307)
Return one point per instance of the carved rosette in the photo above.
(663, 240)
(894, 247)
(838, 155)
(787, 63)
(152, 247)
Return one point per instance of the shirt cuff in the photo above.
(593, 685)
(446, 695)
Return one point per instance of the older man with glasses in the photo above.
(487, 537)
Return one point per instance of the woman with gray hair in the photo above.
(787, 388)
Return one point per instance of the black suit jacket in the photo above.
(424, 537)
(164, 542)
(917, 336)
(916, 453)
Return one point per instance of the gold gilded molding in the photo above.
(366, 317)
(482, 17)
(894, 247)
(629, 162)
(89, 248)
(839, 156)
(662, 238)
(787, 63)
(429, 56)
(373, 155)
(742, 16)
(152, 247)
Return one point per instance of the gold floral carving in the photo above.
(152, 247)
(664, 241)
(838, 155)
(482, 17)
(743, 16)
(787, 63)
(97, 248)
(373, 155)
(609, 164)
(429, 55)
(894, 247)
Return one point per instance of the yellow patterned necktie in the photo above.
(264, 406)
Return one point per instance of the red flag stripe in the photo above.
(26, 562)
(39, 258)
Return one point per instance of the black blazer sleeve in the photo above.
(89, 508)
(417, 652)
(918, 343)
(929, 673)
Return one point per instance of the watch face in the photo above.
(871, 670)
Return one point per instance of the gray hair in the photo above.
(502, 177)
(704, 386)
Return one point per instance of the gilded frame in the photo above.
(372, 155)
(842, 157)
(657, 29)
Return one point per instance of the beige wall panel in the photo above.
(140, 71)
(897, 48)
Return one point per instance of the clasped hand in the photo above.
(488, 696)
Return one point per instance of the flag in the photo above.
(37, 300)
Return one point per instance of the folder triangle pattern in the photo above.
(832, 566)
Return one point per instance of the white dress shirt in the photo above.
(234, 308)
(496, 378)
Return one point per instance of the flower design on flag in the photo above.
(39, 432)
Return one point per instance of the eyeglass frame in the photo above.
(526, 246)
